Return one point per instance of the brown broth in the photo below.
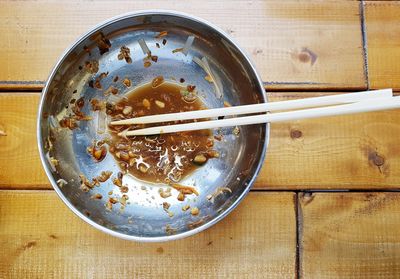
(164, 158)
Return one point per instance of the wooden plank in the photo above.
(347, 152)
(19, 156)
(294, 44)
(383, 35)
(350, 235)
(358, 151)
(260, 233)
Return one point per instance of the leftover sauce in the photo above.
(164, 158)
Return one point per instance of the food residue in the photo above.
(103, 43)
(194, 211)
(125, 53)
(127, 82)
(92, 66)
(98, 151)
(97, 196)
(159, 158)
(161, 34)
(71, 119)
(180, 49)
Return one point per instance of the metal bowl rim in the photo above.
(57, 66)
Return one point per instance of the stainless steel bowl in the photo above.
(241, 155)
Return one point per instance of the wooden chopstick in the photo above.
(257, 108)
(358, 107)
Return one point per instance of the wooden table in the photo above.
(325, 204)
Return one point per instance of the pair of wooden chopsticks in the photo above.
(317, 107)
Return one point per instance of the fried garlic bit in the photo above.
(87, 185)
(165, 193)
(118, 180)
(125, 53)
(184, 190)
(98, 151)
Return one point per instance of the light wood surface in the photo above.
(293, 44)
(19, 156)
(41, 238)
(349, 235)
(346, 152)
(383, 34)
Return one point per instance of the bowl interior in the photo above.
(235, 82)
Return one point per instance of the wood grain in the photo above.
(350, 235)
(383, 35)
(41, 238)
(294, 44)
(19, 157)
(347, 152)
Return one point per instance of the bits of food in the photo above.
(185, 207)
(104, 176)
(146, 64)
(97, 82)
(227, 104)
(92, 66)
(166, 205)
(97, 196)
(118, 180)
(87, 49)
(125, 53)
(124, 189)
(143, 168)
(157, 81)
(184, 190)
(86, 185)
(191, 88)
(170, 230)
(181, 196)
(103, 43)
(146, 103)
(97, 105)
(165, 193)
(127, 82)
(68, 122)
(61, 182)
(160, 104)
(210, 143)
(161, 34)
(189, 94)
(194, 211)
(187, 190)
(200, 159)
(208, 78)
(98, 152)
(154, 58)
(124, 199)
(177, 50)
(127, 110)
(111, 201)
(213, 154)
